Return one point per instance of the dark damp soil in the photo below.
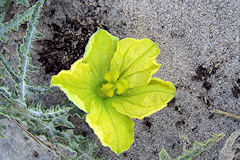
(67, 44)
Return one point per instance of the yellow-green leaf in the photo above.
(99, 52)
(136, 61)
(78, 84)
(141, 102)
(114, 129)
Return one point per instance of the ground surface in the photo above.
(199, 43)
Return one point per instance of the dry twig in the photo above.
(225, 113)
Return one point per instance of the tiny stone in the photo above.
(235, 91)
(207, 85)
(238, 81)
(35, 154)
(237, 39)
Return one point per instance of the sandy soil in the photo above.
(199, 43)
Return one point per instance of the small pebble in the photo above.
(35, 154)
(237, 39)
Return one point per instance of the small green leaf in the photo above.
(4, 6)
(2, 73)
(38, 89)
(75, 110)
(163, 155)
(2, 133)
(197, 149)
(14, 23)
(2, 17)
(2, 117)
(8, 68)
(23, 2)
(2, 127)
(44, 122)
(62, 120)
(83, 151)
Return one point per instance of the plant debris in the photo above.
(225, 113)
(228, 152)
